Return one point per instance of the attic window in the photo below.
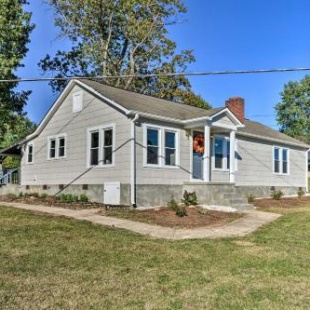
(77, 102)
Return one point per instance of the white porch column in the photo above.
(206, 155)
(232, 139)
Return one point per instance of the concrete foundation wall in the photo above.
(159, 195)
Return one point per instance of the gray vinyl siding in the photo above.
(255, 164)
(95, 113)
(163, 175)
(222, 121)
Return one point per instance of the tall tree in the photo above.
(15, 28)
(293, 112)
(122, 37)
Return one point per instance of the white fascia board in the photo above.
(250, 135)
(113, 103)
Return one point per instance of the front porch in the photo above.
(214, 148)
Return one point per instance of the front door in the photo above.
(198, 151)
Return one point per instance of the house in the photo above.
(121, 147)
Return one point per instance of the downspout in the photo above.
(133, 165)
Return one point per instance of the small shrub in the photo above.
(251, 198)
(300, 192)
(21, 195)
(189, 198)
(75, 198)
(172, 205)
(34, 194)
(277, 194)
(181, 211)
(12, 196)
(43, 195)
(83, 198)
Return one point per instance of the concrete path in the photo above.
(241, 227)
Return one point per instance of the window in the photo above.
(101, 146)
(221, 153)
(161, 146)
(57, 147)
(280, 160)
(170, 149)
(107, 147)
(52, 148)
(77, 102)
(30, 154)
(152, 146)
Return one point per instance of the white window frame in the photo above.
(27, 154)
(77, 101)
(225, 153)
(281, 149)
(57, 139)
(101, 130)
(161, 146)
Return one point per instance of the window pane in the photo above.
(107, 159)
(284, 167)
(284, 155)
(170, 157)
(108, 137)
(276, 154)
(218, 150)
(52, 148)
(94, 139)
(170, 139)
(276, 166)
(61, 149)
(152, 155)
(152, 137)
(30, 153)
(228, 154)
(94, 155)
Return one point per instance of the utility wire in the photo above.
(202, 73)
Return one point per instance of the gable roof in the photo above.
(130, 103)
(136, 102)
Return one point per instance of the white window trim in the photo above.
(100, 129)
(161, 146)
(80, 95)
(27, 153)
(226, 139)
(56, 138)
(281, 160)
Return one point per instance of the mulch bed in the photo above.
(52, 201)
(287, 202)
(196, 217)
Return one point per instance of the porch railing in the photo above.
(10, 176)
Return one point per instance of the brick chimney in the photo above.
(236, 106)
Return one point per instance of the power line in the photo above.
(202, 73)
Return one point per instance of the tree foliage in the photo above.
(16, 130)
(293, 112)
(15, 28)
(122, 37)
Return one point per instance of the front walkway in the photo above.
(241, 227)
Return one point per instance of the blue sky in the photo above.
(225, 35)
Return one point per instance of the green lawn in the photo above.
(55, 263)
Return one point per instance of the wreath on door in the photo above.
(199, 144)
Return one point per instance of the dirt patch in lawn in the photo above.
(51, 201)
(196, 217)
(286, 202)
